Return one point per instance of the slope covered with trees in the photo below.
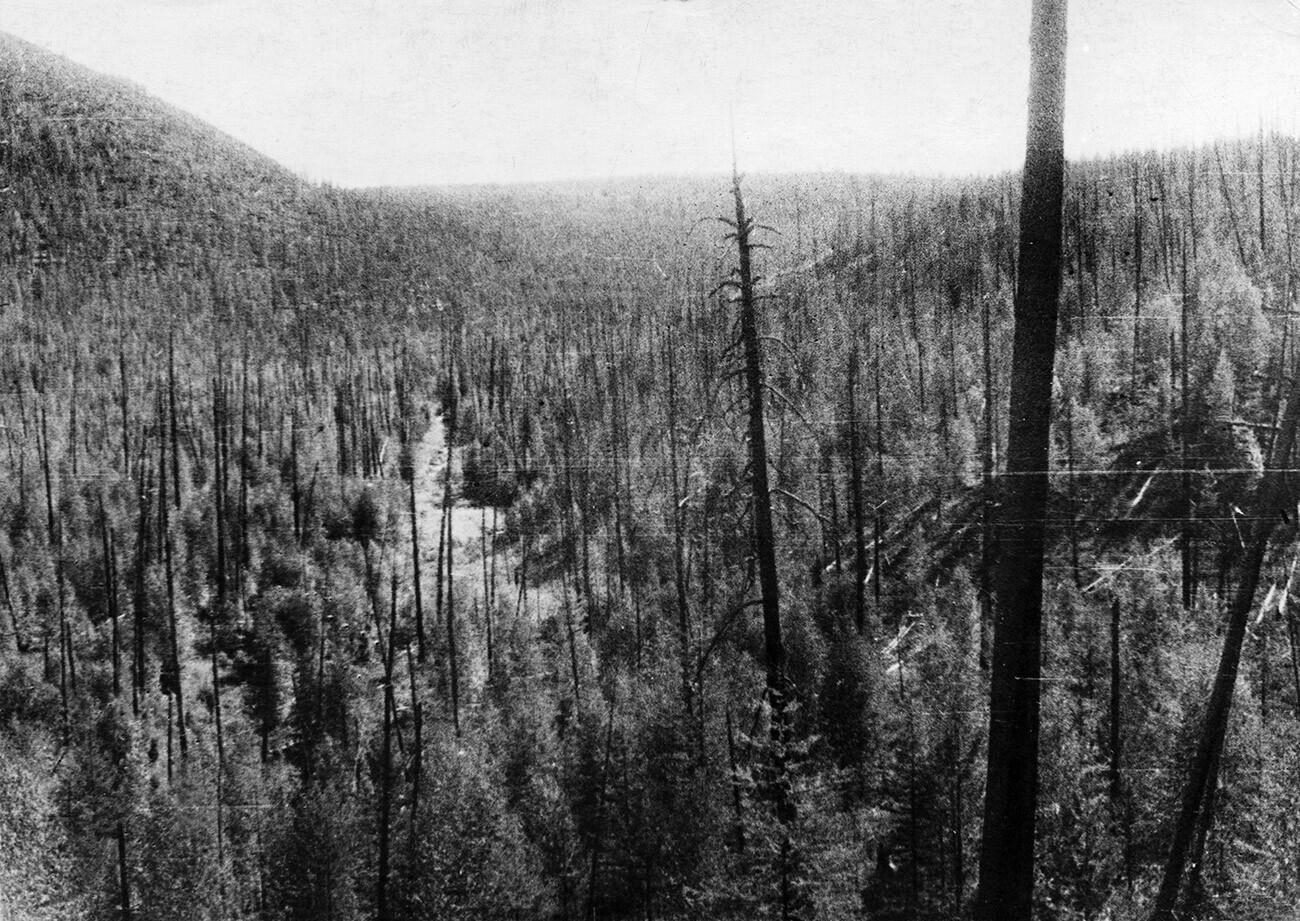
(392, 553)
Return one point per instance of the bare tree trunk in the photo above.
(1263, 227)
(598, 840)
(1071, 500)
(1184, 431)
(52, 529)
(1116, 778)
(123, 875)
(139, 677)
(219, 482)
(779, 690)
(487, 596)
(171, 407)
(1271, 500)
(110, 593)
(295, 484)
(386, 772)
(440, 579)
(1137, 279)
(679, 534)
(1232, 212)
(72, 417)
(1006, 885)
(878, 519)
(855, 496)
(573, 644)
(125, 403)
(221, 748)
(1293, 637)
(174, 684)
(20, 642)
(417, 753)
(243, 559)
(452, 658)
(987, 500)
(737, 797)
(408, 472)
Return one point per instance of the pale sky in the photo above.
(366, 92)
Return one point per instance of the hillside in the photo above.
(90, 161)
(105, 186)
(390, 553)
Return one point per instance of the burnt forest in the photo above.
(723, 547)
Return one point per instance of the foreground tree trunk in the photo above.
(1006, 885)
(779, 691)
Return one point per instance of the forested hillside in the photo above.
(393, 553)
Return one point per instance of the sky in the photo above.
(402, 92)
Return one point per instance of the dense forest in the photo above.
(396, 553)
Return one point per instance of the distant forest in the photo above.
(397, 554)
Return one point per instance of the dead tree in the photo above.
(860, 573)
(1006, 884)
(452, 658)
(779, 690)
(1270, 504)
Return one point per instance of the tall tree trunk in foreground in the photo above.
(1006, 885)
(1271, 500)
(778, 683)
